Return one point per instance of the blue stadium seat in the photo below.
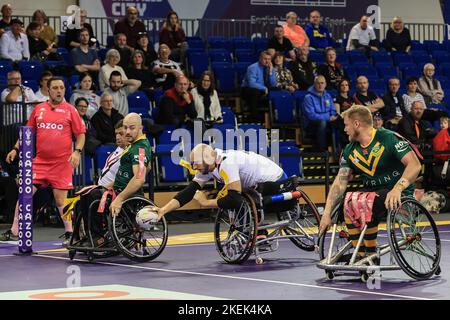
(343, 58)
(138, 102)
(359, 59)
(225, 75)
(386, 72)
(102, 54)
(317, 56)
(33, 84)
(169, 171)
(420, 57)
(241, 70)
(403, 57)
(228, 116)
(217, 42)
(432, 45)
(253, 138)
(245, 55)
(381, 57)
(109, 41)
(220, 57)
(416, 45)
(351, 72)
(409, 72)
(377, 85)
(61, 39)
(195, 42)
(283, 107)
(366, 70)
(30, 70)
(242, 43)
(291, 160)
(444, 69)
(260, 44)
(65, 54)
(441, 57)
(101, 154)
(198, 62)
(5, 67)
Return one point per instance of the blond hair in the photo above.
(397, 18)
(362, 113)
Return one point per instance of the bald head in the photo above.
(132, 125)
(203, 158)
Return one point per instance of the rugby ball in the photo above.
(146, 217)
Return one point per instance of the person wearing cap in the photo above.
(14, 43)
(377, 120)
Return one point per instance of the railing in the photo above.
(256, 27)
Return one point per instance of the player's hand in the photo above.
(75, 159)
(160, 213)
(115, 207)
(200, 197)
(325, 223)
(11, 156)
(393, 199)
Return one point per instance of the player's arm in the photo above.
(182, 198)
(233, 199)
(412, 170)
(335, 196)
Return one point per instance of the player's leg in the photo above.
(354, 234)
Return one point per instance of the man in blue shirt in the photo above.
(84, 58)
(319, 35)
(319, 112)
(260, 77)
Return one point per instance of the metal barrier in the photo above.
(260, 27)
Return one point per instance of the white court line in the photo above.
(7, 255)
(243, 278)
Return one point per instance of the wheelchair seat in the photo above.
(271, 188)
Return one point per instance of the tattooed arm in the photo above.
(335, 196)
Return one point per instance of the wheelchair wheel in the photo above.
(235, 232)
(305, 220)
(134, 242)
(414, 239)
(341, 243)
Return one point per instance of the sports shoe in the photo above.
(67, 235)
(8, 236)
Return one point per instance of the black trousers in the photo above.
(255, 100)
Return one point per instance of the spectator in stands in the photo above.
(15, 90)
(285, 81)
(105, 119)
(365, 97)
(415, 129)
(362, 37)
(343, 100)
(72, 39)
(177, 107)
(294, 32)
(173, 35)
(394, 106)
(120, 44)
(120, 91)
(130, 26)
(318, 34)
(377, 120)
(42, 94)
(82, 106)
(138, 70)
(164, 69)
(442, 140)
(39, 49)
(85, 59)
(332, 71)
(46, 32)
(147, 49)
(258, 80)
(430, 87)
(112, 60)
(320, 113)
(411, 94)
(87, 92)
(206, 99)
(14, 43)
(5, 23)
(398, 37)
(279, 43)
(303, 69)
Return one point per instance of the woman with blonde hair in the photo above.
(112, 60)
(398, 37)
(172, 34)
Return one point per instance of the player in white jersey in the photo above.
(237, 170)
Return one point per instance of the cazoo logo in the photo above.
(53, 126)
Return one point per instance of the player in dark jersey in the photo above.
(387, 165)
(134, 163)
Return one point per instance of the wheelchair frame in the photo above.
(283, 228)
(113, 242)
(368, 265)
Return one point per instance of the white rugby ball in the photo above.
(146, 217)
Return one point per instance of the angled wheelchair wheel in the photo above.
(132, 241)
(235, 232)
(305, 220)
(341, 249)
(414, 239)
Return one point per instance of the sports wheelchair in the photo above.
(113, 235)
(235, 231)
(412, 241)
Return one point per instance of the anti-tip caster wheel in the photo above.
(364, 276)
(329, 274)
(72, 254)
(438, 271)
(90, 257)
(259, 260)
